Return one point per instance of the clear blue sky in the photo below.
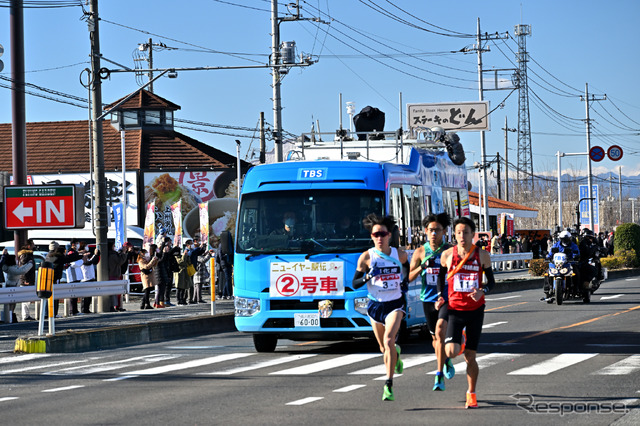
(370, 53)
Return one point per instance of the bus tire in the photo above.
(265, 342)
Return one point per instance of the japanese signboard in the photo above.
(585, 222)
(306, 279)
(189, 187)
(43, 207)
(459, 116)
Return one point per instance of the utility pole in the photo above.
(483, 155)
(275, 72)
(263, 145)
(506, 157)
(498, 176)
(589, 179)
(150, 63)
(620, 194)
(100, 213)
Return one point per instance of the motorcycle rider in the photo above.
(589, 250)
(564, 244)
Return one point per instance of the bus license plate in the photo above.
(306, 320)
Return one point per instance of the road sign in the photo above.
(43, 207)
(596, 153)
(614, 152)
(459, 116)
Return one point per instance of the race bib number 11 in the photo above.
(465, 283)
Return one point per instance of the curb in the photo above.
(118, 336)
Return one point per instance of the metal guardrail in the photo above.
(507, 257)
(65, 291)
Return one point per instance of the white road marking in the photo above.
(349, 388)
(631, 279)
(554, 364)
(483, 361)
(305, 400)
(493, 299)
(117, 379)
(20, 358)
(263, 364)
(327, 365)
(112, 365)
(408, 362)
(38, 367)
(626, 366)
(188, 364)
(611, 297)
(193, 347)
(64, 388)
(8, 398)
(612, 345)
(493, 324)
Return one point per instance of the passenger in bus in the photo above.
(345, 228)
(289, 222)
(381, 269)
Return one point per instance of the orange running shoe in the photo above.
(472, 402)
(463, 342)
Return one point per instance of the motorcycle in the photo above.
(561, 281)
(594, 262)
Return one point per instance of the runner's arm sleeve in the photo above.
(359, 279)
(442, 279)
(490, 280)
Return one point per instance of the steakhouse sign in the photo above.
(43, 207)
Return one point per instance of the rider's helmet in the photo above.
(565, 238)
(587, 233)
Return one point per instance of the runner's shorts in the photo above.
(432, 315)
(472, 320)
(378, 311)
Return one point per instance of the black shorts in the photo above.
(432, 315)
(378, 311)
(472, 320)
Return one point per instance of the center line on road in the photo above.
(349, 388)
(507, 306)
(611, 297)
(540, 333)
(64, 388)
(116, 379)
(305, 400)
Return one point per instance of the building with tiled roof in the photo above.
(496, 207)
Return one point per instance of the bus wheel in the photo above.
(265, 342)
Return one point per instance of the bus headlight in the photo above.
(246, 307)
(361, 304)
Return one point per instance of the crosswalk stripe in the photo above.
(349, 388)
(112, 365)
(20, 358)
(188, 364)
(626, 366)
(554, 364)
(410, 361)
(39, 367)
(305, 400)
(327, 365)
(263, 364)
(484, 361)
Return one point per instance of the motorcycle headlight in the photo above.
(361, 304)
(564, 271)
(246, 307)
(553, 270)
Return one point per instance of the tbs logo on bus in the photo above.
(318, 174)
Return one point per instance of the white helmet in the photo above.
(565, 238)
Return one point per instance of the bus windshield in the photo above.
(309, 221)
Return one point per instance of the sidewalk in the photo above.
(136, 325)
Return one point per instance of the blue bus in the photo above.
(299, 235)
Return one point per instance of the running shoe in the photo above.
(464, 341)
(438, 385)
(448, 370)
(387, 394)
(472, 402)
(399, 363)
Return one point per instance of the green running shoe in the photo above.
(399, 364)
(438, 385)
(387, 394)
(448, 369)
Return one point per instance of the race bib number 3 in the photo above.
(465, 283)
